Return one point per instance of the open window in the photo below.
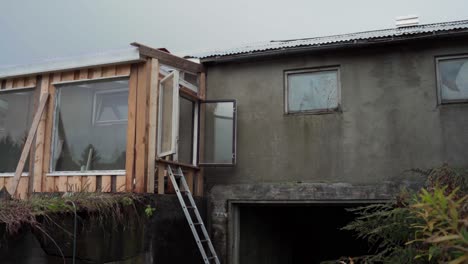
(219, 124)
(168, 115)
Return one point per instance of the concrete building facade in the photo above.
(390, 118)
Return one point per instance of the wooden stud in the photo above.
(141, 143)
(61, 184)
(2, 182)
(18, 83)
(50, 185)
(108, 71)
(131, 124)
(152, 123)
(123, 69)
(96, 73)
(88, 184)
(106, 185)
(120, 183)
(9, 84)
(189, 177)
(39, 144)
(161, 174)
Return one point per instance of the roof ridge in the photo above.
(372, 31)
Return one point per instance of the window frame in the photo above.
(31, 89)
(234, 134)
(175, 116)
(56, 87)
(313, 70)
(438, 59)
(106, 122)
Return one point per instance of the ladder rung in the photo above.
(190, 207)
(197, 223)
(213, 257)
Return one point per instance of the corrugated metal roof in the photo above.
(336, 39)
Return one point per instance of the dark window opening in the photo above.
(296, 234)
(16, 110)
(186, 119)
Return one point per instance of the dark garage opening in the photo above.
(296, 234)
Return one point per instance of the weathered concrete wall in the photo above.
(165, 238)
(390, 122)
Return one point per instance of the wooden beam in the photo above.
(39, 144)
(27, 145)
(141, 140)
(131, 125)
(152, 123)
(161, 174)
(199, 190)
(169, 59)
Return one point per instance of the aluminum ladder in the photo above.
(204, 244)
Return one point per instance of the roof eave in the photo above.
(333, 46)
(131, 55)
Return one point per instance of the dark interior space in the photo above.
(296, 234)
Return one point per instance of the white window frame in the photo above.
(314, 70)
(95, 107)
(53, 172)
(175, 114)
(440, 101)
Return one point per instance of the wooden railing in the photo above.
(193, 176)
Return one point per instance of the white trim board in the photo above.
(104, 58)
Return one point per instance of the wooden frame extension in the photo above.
(143, 170)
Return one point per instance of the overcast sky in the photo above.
(33, 30)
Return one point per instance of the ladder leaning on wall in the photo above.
(204, 245)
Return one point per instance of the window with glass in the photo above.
(90, 125)
(452, 73)
(220, 133)
(16, 109)
(312, 90)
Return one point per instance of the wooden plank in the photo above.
(88, 184)
(131, 125)
(61, 183)
(152, 123)
(39, 143)
(106, 184)
(169, 59)
(108, 71)
(123, 69)
(30, 81)
(2, 182)
(27, 145)
(161, 174)
(18, 83)
(96, 73)
(141, 159)
(9, 84)
(189, 177)
(22, 191)
(49, 182)
(120, 183)
(74, 183)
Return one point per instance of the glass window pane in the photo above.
(168, 96)
(185, 144)
(453, 79)
(312, 91)
(219, 133)
(91, 126)
(15, 121)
